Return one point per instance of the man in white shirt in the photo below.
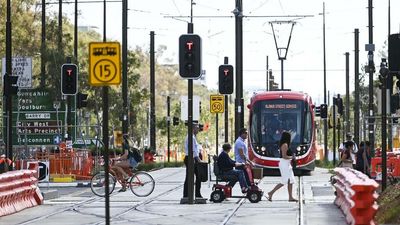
(242, 153)
(196, 159)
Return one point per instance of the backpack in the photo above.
(135, 153)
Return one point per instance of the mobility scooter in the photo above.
(221, 191)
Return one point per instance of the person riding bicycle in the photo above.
(130, 159)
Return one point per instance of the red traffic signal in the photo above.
(225, 81)
(190, 56)
(69, 79)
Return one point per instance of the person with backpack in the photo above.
(130, 159)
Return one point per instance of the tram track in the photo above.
(76, 206)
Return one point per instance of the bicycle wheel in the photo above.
(141, 184)
(98, 184)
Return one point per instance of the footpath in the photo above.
(77, 205)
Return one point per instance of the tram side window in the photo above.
(307, 128)
(254, 127)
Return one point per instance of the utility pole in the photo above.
(356, 88)
(125, 119)
(239, 115)
(325, 98)
(371, 69)
(43, 47)
(383, 75)
(347, 118)
(168, 126)
(152, 94)
(226, 61)
(8, 96)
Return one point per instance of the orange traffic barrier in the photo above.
(18, 190)
(356, 196)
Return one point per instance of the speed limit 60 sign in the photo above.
(104, 63)
(216, 103)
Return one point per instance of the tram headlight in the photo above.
(263, 148)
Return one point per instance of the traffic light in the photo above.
(394, 52)
(339, 103)
(317, 110)
(10, 85)
(175, 121)
(69, 79)
(324, 111)
(190, 56)
(81, 100)
(225, 80)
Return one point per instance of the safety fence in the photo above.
(18, 191)
(355, 196)
(392, 165)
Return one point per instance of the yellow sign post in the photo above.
(217, 103)
(104, 63)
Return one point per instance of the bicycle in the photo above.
(139, 182)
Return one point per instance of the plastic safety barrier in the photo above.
(356, 196)
(18, 190)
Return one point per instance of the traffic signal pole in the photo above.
(8, 96)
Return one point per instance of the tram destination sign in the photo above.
(37, 118)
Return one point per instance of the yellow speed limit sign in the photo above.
(104, 63)
(216, 103)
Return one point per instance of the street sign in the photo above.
(104, 63)
(185, 107)
(21, 67)
(217, 103)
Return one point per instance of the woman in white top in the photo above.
(285, 167)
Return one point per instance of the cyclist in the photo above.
(126, 162)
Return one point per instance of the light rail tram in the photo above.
(273, 112)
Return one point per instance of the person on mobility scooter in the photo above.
(224, 171)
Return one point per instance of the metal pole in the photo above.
(281, 74)
(216, 133)
(226, 60)
(76, 32)
(9, 145)
(266, 75)
(125, 119)
(69, 111)
(325, 97)
(383, 73)
(239, 117)
(334, 130)
(356, 88)
(60, 33)
(105, 127)
(168, 126)
(371, 70)
(43, 47)
(152, 94)
(190, 131)
(347, 93)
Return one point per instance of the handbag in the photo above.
(294, 163)
(202, 171)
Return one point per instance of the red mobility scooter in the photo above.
(223, 191)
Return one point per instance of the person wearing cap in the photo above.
(242, 153)
(227, 166)
(196, 160)
(353, 152)
(5, 164)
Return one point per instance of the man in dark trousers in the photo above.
(226, 165)
(196, 160)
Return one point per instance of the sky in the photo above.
(303, 67)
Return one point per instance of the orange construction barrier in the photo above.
(356, 196)
(18, 190)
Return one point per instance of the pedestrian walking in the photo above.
(285, 167)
